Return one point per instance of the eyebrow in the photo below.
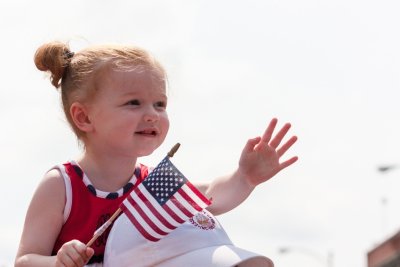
(133, 94)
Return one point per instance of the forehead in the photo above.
(137, 79)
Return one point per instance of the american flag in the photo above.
(163, 201)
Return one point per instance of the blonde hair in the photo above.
(75, 73)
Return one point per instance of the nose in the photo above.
(151, 114)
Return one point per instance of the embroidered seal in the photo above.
(203, 221)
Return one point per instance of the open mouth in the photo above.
(147, 132)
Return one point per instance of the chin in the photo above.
(146, 151)
(140, 154)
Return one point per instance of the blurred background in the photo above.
(331, 68)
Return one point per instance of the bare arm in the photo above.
(260, 161)
(43, 223)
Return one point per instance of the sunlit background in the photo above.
(331, 68)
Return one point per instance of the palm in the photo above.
(261, 157)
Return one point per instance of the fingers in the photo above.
(266, 137)
(286, 146)
(275, 141)
(288, 162)
(279, 136)
(74, 253)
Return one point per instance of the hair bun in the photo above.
(53, 57)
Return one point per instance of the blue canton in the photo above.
(163, 182)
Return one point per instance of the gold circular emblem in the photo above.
(203, 221)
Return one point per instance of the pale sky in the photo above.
(331, 68)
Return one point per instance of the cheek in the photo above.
(165, 124)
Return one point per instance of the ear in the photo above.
(80, 117)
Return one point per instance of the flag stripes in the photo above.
(163, 201)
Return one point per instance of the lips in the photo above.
(147, 132)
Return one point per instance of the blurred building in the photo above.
(386, 254)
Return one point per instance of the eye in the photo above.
(161, 104)
(133, 102)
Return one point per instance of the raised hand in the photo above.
(261, 157)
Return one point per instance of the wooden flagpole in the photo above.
(104, 227)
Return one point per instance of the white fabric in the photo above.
(100, 193)
(68, 190)
(199, 242)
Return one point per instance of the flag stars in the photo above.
(164, 181)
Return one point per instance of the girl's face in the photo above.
(128, 113)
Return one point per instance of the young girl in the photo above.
(114, 98)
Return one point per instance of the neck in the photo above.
(107, 173)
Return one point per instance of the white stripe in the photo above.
(141, 221)
(68, 190)
(185, 203)
(176, 209)
(193, 196)
(150, 214)
(154, 203)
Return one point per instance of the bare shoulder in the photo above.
(53, 175)
(52, 185)
(51, 192)
(44, 217)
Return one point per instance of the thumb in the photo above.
(251, 143)
(89, 252)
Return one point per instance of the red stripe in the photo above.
(137, 224)
(173, 214)
(189, 200)
(154, 210)
(144, 215)
(198, 193)
(180, 206)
